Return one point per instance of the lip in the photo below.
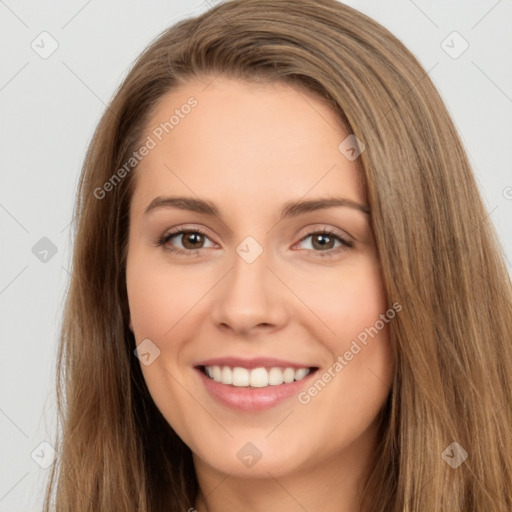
(257, 362)
(253, 399)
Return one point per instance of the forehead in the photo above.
(241, 141)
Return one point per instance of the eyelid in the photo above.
(186, 227)
(314, 228)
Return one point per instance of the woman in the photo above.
(286, 292)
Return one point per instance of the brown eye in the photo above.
(326, 243)
(322, 241)
(192, 240)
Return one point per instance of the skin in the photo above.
(249, 148)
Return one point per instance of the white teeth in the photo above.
(226, 375)
(288, 375)
(217, 374)
(240, 377)
(275, 376)
(301, 373)
(256, 377)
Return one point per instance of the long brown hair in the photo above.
(439, 256)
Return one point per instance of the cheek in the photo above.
(350, 391)
(343, 301)
(158, 297)
(349, 310)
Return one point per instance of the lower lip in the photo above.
(252, 399)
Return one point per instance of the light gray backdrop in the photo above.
(61, 62)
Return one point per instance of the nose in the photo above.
(250, 298)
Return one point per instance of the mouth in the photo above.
(260, 377)
(253, 388)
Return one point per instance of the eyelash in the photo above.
(346, 244)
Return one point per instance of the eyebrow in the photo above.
(290, 209)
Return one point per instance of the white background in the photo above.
(51, 106)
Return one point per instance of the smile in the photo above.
(256, 377)
(253, 385)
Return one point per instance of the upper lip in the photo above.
(257, 362)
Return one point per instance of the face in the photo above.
(281, 304)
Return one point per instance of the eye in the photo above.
(192, 241)
(324, 241)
